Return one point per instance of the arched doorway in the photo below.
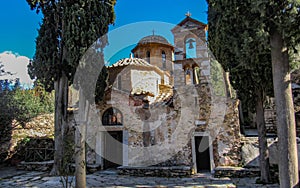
(112, 138)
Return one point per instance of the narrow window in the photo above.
(163, 57)
(188, 80)
(148, 56)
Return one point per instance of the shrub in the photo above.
(23, 105)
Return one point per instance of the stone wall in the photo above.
(218, 118)
(173, 171)
(171, 128)
(250, 151)
(39, 127)
(36, 166)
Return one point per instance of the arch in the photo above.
(112, 116)
(163, 59)
(190, 47)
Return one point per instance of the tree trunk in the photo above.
(288, 159)
(61, 105)
(263, 145)
(241, 115)
(80, 139)
(227, 84)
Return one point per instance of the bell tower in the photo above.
(191, 65)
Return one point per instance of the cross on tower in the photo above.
(153, 32)
(188, 14)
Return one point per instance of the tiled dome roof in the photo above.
(130, 61)
(153, 39)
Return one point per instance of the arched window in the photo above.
(164, 59)
(112, 116)
(190, 48)
(148, 56)
(197, 75)
(188, 77)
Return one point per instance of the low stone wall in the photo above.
(41, 126)
(250, 151)
(236, 172)
(37, 166)
(172, 171)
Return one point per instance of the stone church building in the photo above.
(161, 110)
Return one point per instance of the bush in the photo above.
(23, 105)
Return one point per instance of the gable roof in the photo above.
(187, 19)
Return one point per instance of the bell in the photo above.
(190, 41)
(191, 45)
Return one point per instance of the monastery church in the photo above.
(160, 110)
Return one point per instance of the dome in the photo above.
(130, 61)
(154, 39)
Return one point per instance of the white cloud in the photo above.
(17, 64)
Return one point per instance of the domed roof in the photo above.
(130, 61)
(153, 39)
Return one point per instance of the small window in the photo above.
(188, 77)
(148, 56)
(163, 57)
(112, 116)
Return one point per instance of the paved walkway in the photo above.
(18, 179)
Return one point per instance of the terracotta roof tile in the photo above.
(130, 61)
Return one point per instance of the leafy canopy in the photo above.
(239, 42)
(67, 31)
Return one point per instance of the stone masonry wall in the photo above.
(218, 117)
(39, 127)
(171, 128)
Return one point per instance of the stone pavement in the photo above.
(18, 179)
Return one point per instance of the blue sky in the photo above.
(19, 24)
(137, 18)
(18, 27)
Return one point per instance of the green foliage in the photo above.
(239, 35)
(217, 78)
(68, 29)
(295, 58)
(283, 16)
(23, 105)
(238, 42)
(101, 85)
